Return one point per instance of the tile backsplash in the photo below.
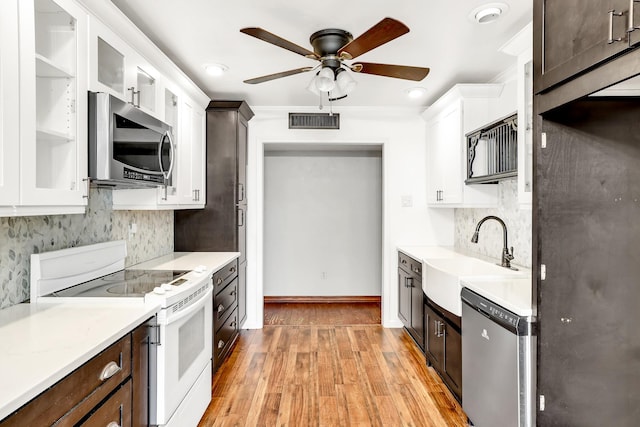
(22, 236)
(490, 243)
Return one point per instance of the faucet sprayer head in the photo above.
(474, 238)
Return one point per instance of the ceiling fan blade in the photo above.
(397, 71)
(268, 37)
(278, 75)
(381, 33)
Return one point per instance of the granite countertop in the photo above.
(43, 343)
(512, 293)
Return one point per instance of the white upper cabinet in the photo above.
(521, 46)
(463, 109)
(116, 68)
(51, 176)
(9, 103)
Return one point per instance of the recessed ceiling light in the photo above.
(487, 13)
(215, 70)
(416, 92)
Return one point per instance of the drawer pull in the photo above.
(232, 269)
(233, 324)
(233, 293)
(109, 370)
(219, 281)
(220, 344)
(220, 308)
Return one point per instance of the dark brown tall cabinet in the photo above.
(586, 232)
(221, 225)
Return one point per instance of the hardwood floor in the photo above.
(337, 374)
(298, 314)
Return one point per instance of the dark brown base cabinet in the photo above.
(443, 345)
(410, 297)
(82, 398)
(225, 312)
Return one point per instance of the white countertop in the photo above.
(512, 292)
(214, 261)
(43, 343)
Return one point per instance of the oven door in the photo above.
(183, 353)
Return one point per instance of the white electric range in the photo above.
(181, 383)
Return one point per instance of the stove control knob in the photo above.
(158, 290)
(167, 287)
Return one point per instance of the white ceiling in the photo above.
(442, 37)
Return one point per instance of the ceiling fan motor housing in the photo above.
(328, 42)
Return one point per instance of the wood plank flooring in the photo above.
(328, 375)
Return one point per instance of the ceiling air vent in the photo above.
(314, 121)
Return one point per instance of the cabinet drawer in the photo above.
(224, 337)
(224, 302)
(74, 396)
(116, 409)
(224, 276)
(409, 264)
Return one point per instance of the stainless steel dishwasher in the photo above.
(498, 362)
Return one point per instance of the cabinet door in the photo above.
(453, 358)
(53, 108)
(191, 155)
(242, 160)
(434, 346)
(9, 103)
(444, 153)
(140, 373)
(575, 35)
(417, 307)
(404, 298)
(242, 294)
(116, 68)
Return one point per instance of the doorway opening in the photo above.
(323, 227)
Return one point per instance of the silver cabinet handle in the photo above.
(88, 183)
(241, 221)
(109, 370)
(409, 282)
(134, 92)
(220, 308)
(220, 344)
(219, 281)
(613, 13)
(240, 192)
(632, 26)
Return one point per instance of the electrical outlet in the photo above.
(133, 229)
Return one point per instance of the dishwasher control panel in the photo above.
(500, 315)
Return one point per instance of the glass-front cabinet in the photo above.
(116, 68)
(9, 102)
(53, 148)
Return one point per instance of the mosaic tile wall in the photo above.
(489, 244)
(22, 236)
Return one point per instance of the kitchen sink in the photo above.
(442, 278)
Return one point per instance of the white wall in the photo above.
(401, 133)
(322, 223)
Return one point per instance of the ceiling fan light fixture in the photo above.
(345, 82)
(216, 70)
(325, 80)
(488, 13)
(312, 87)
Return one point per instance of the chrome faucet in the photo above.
(506, 255)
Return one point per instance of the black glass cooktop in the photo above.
(123, 283)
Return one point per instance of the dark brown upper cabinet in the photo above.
(577, 35)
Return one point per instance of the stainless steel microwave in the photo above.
(128, 148)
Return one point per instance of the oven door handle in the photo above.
(192, 308)
(166, 174)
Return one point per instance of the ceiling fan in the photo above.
(332, 47)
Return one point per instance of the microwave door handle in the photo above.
(167, 173)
